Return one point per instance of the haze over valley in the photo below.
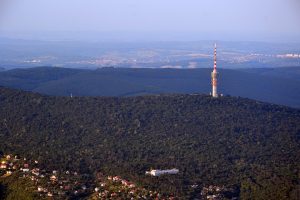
(183, 55)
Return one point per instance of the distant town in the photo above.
(143, 58)
(184, 55)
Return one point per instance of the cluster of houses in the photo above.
(214, 192)
(54, 183)
(57, 184)
(114, 187)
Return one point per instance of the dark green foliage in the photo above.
(225, 141)
(17, 188)
(2, 190)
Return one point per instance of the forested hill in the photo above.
(273, 86)
(229, 141)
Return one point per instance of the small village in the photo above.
(57, 184)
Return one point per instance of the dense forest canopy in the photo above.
(230, 141)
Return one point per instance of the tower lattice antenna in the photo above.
(215, 57)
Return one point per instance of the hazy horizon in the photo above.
(134, 20)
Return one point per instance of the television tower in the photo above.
(214, 75)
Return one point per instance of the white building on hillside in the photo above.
(157, 172)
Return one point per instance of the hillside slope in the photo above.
(279, 72)
(226, 141)
(129, 82)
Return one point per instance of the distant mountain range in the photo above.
(278, 86)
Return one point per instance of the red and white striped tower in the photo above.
(214, 75)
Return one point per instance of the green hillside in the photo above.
(15, 188)
(236, 142)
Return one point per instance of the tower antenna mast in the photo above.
(214, 75)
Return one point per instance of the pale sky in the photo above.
(198, 19)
